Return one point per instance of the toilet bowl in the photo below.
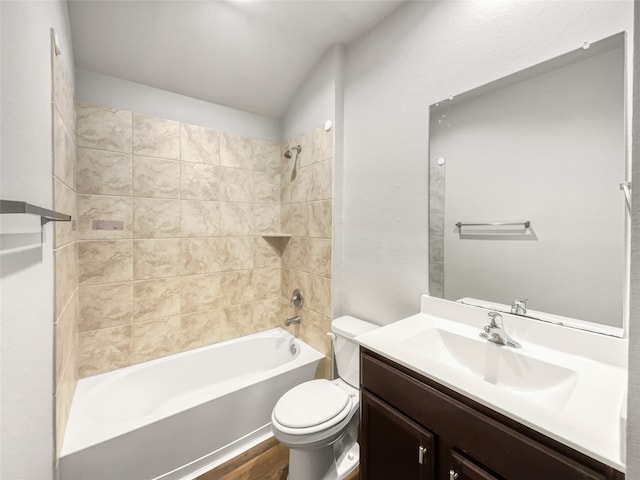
(318, 420)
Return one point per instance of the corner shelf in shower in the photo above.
(276, 235)
(46, 215)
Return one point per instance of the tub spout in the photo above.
(291, 320)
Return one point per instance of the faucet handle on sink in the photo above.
(496, 320)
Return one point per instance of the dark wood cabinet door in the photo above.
(393, 446)
(461, 468)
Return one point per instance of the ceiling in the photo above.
(250, 55)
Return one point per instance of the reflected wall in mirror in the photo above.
(547, 146)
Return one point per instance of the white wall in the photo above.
(26, 262)
(420, 54)
(314, 101)
(633, 425)
(114, 92)
(551, 150)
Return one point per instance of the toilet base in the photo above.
(322, 464)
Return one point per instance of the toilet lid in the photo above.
(310, 403)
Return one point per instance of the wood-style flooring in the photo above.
(266, 461)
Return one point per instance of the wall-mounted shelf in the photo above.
(276, 235)
(46, 215)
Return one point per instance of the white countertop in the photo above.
(583, 410)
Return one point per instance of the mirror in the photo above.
(526, 200)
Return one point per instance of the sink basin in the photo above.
(504, 367)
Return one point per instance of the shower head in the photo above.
(289, 153)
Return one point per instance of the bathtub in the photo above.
(178, 416)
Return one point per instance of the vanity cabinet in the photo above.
(414, 428)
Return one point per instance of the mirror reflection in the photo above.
(527, 210)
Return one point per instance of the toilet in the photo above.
(318, 420)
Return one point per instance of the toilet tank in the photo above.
(346, 350)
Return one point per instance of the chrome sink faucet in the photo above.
(519, 306)
(494, 332)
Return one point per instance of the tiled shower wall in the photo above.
(171, 255)
(172, 249)
(65, 242)
(306, 193)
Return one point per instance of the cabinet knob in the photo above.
(453, 475)
(422, 451)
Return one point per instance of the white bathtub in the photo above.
(177, 416)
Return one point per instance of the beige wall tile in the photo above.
(155, 177)
(64, 151)
(237, 321)
(319, 260)
(236, 151)
(266, 283)
(266, 187)
(298, 189)
(103, 306)
(200, 218)
(103, 350)
(64, 200)
(104, 261)
(287, 282)
(285, 188)
(200, 255)
(266, 218)
(156, 137)
(95, 210)
(269, 313)
(66, 331)
(321, 182)
(101, 172)
(319, 298)
(200, 292)
(296, 254)
(320, 219)
(236, 287)
(313, 330)
(267, 252)
(65, 388)
(66, 276)
(203, 328)
(235, 185)
(267, 156)
(199, 144)
(154, 299)
(292, 279)
(199, 181)
(156, 258)
(156, 338)
(154, 218)
(236, 219)
(103, 128)
(236, 253)
(295, 218)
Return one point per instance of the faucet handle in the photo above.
(519, 306)
(496, 320)
(297, 300)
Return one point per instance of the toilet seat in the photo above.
(311, 407)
